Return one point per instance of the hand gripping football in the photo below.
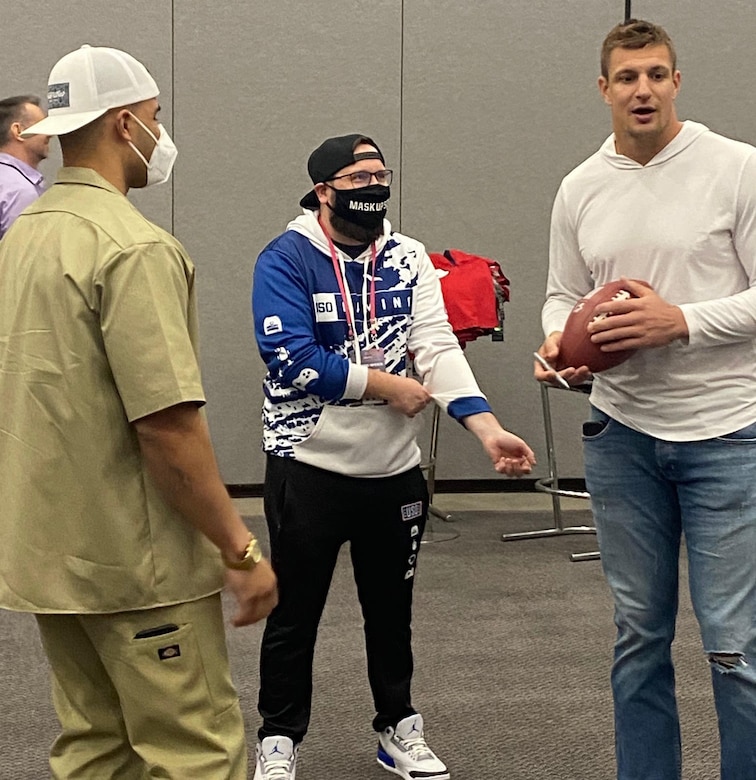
(576, 348)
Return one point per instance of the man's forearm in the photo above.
(482, 424)
(179, 458)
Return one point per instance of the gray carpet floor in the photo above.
(512, 645)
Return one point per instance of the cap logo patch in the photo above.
(58, 95)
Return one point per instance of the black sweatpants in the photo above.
(310, 514)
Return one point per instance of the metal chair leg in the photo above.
(550, 485)
(431, 535)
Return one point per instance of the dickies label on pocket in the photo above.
(168, 652)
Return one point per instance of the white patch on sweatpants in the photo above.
(412, 511)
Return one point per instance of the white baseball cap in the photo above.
(84, 84)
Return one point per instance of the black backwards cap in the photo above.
(333, 155)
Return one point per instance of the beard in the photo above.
(363, 235)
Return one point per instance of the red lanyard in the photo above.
(344, 287)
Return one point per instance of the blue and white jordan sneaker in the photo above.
(276, 759)
(404, 752)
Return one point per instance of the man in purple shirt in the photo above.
(20, 181)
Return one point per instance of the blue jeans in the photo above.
(645, 494)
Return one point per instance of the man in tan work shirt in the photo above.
(115, 521)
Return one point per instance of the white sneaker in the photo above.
(276, 759)
(404, 752)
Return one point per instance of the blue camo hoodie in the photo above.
(313, 409)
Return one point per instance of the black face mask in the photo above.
(365, 206)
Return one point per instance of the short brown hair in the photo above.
(635, 34)
(12, 110)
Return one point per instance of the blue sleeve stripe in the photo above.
(463, 407)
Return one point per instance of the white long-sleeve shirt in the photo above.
(686, 223)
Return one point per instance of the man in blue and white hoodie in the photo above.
(350, 321)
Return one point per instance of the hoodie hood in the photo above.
(689, 132)
(307, 224)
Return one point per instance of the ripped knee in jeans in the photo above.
(726, 662)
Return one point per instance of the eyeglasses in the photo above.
(363, 178)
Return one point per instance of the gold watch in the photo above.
(250, 559)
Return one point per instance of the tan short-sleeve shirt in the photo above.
(98, 328)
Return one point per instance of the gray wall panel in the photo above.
(30, 49)
(480, 107)
(499, 105)
(258, 86)
(500, 101)
(715, 56)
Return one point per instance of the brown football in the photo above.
(576, 348)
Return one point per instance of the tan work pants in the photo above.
(133, 708)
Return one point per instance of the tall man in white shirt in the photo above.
(671, 445)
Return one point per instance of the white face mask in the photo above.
(163, 156)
